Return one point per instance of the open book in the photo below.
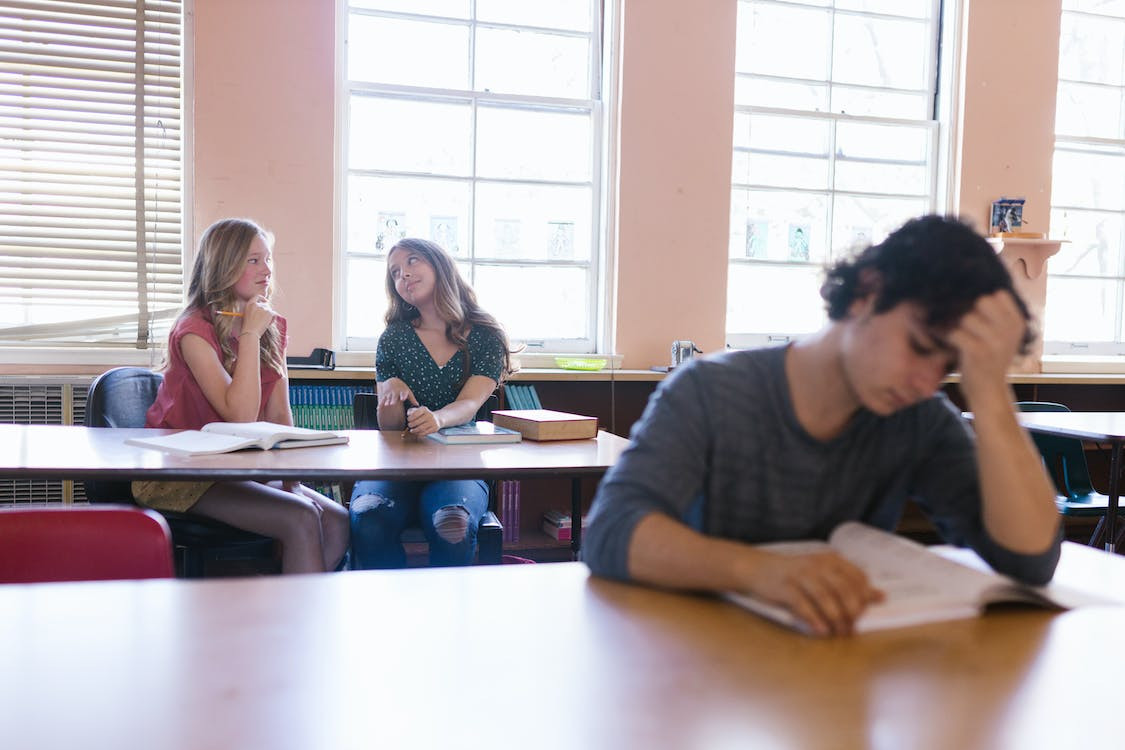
(921, 584)
(224, 437)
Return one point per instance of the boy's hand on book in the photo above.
(823, 589)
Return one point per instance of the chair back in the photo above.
(83, 544)
(365, 406)
(1065, 458)
(119, 398)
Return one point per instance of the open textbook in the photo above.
(224, 437)
(921, 584)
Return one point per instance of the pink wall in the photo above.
(264, 147)
(673, 223)
(264, 141)
(1007, 129)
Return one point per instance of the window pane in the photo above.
(448, 8)
(908, 8)
(533, 302)
(1081, 309)
(780, 226)
(1088, 111)
(774, 299)
(556, 14)
(366, 297)
(789, 151)
(533, 222)
(784, 41)
(1109, 7)
(1091, 179)
(858, 221)
(382, 210)
(881, 103)
(1094, 243)
(526, 62)
(533, 144)
(1092, 49)
(880, 52)
(386, 50)
(409, 136)
(781, 94)
(882, 158)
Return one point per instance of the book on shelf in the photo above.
(475, 432)
(225, 437)
(920, 584)
(510, 508)
(558, 525)
(545, 424)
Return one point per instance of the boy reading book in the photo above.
(788, 442)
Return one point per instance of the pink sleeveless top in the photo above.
(180, 403)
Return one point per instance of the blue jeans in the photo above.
(380, 510)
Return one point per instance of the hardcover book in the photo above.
(475, 432)
(544, 424)
(920, 584)
(225, 437)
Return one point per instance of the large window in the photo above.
(1086, 277)
(90, 202)
(477, 124)
(835, 145)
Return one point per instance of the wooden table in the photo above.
(530, 656)
(51, 451)
(1099, 426)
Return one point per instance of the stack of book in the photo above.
(557, 525)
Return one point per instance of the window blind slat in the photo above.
(90, 170)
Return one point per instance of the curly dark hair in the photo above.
(936, 262)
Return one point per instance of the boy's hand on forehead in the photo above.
(988, 338)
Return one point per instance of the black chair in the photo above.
(490, 532)
(1065, 459)
(119, 398)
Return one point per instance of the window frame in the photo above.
(1114, 147)
(940, 68)
(359, 349)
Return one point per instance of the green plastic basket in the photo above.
(580, 363)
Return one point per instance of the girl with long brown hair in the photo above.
(439, 359)
(226, 363)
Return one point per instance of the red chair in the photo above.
(83, 544)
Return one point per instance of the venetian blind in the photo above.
(90, 171)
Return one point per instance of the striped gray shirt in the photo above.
(719, 447)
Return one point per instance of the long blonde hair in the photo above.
(454, 299)
(219, 263)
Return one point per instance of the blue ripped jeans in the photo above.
(380, 510)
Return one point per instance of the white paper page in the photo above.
(258, 430)
(193, 441)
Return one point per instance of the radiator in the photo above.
(44, 399)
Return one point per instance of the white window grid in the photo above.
(592, 108)
(833, 247)
(1110, 149)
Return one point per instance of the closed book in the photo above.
(544, 424)
(562, 533)
(475, 432)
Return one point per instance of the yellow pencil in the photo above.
(231, 314)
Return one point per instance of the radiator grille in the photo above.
(42, 400)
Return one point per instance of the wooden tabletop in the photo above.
(525, 656)
(1086, 425)
(39, 451)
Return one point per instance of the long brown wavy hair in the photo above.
(455, 300)
(219, 263)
